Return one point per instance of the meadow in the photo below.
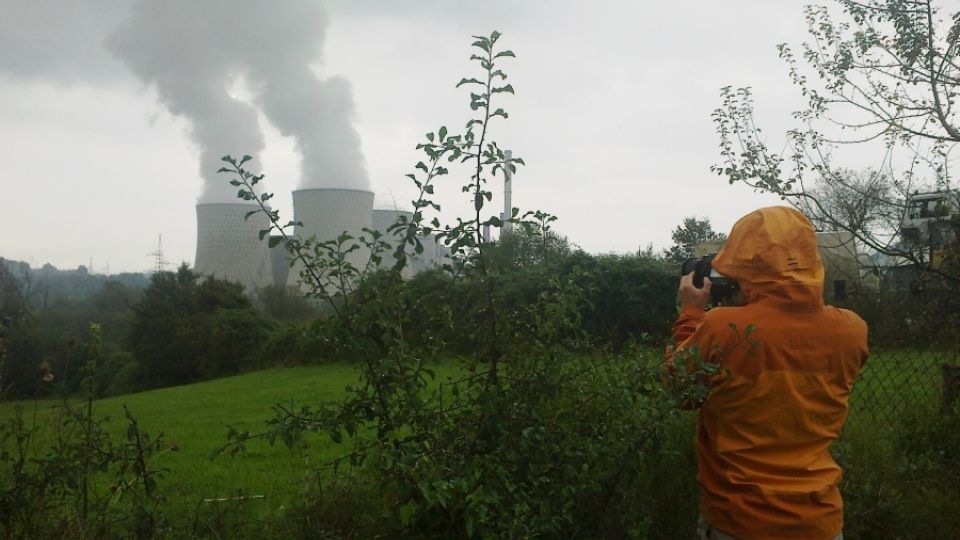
(257, 487)
(193, 419)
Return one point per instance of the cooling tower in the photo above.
(327, 213)
(229, 246)
(279, 261)
(382, 221)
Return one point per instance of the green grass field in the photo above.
(895, 386)
(193, 419)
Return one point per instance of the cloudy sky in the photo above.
(105, 110)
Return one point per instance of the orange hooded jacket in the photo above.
(764, 431)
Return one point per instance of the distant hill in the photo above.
(48, 284)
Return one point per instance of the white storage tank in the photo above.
(328, 213)
(435, 254)
(229, 246)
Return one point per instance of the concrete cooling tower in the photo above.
(382, 221)
(327, 213)
(229, 247)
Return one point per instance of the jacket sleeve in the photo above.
(690, 339)
(688, 321)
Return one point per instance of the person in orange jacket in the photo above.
(787, 365)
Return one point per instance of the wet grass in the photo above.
(194, 419)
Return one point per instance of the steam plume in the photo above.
(194, 52)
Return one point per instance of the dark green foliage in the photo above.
(66, 476)
(230, 341)
(186, 328)
(48, 333)
(182, 329)
(285, 303)
(626, 299)
(22, 374)
(633, 299)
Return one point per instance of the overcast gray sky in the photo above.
(611, 112)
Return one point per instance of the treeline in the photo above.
(621, 300)
(172, 328)
(183, 328)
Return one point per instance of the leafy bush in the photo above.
(66, 476)
(186, 328)
(634, 299)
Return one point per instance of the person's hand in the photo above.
(690, 295)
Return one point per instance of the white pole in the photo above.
(507, 196)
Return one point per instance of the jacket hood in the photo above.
(772, 254)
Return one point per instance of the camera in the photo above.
(722, 288)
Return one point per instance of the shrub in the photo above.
(186, 328)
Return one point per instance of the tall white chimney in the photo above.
(507, 196)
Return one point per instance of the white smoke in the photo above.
(194, 52)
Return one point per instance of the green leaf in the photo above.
(264, 232)
(407, 511)
(245, 159)
(506, 88)
(505, 53)
(443, 133)
(236, 183)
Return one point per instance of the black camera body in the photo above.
(722, 288)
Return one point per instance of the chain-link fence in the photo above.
(898, 384)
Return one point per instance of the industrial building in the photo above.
(229, 246)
